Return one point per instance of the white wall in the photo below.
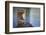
(35, 16)
(2, 18)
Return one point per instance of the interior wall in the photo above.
(35, 16)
